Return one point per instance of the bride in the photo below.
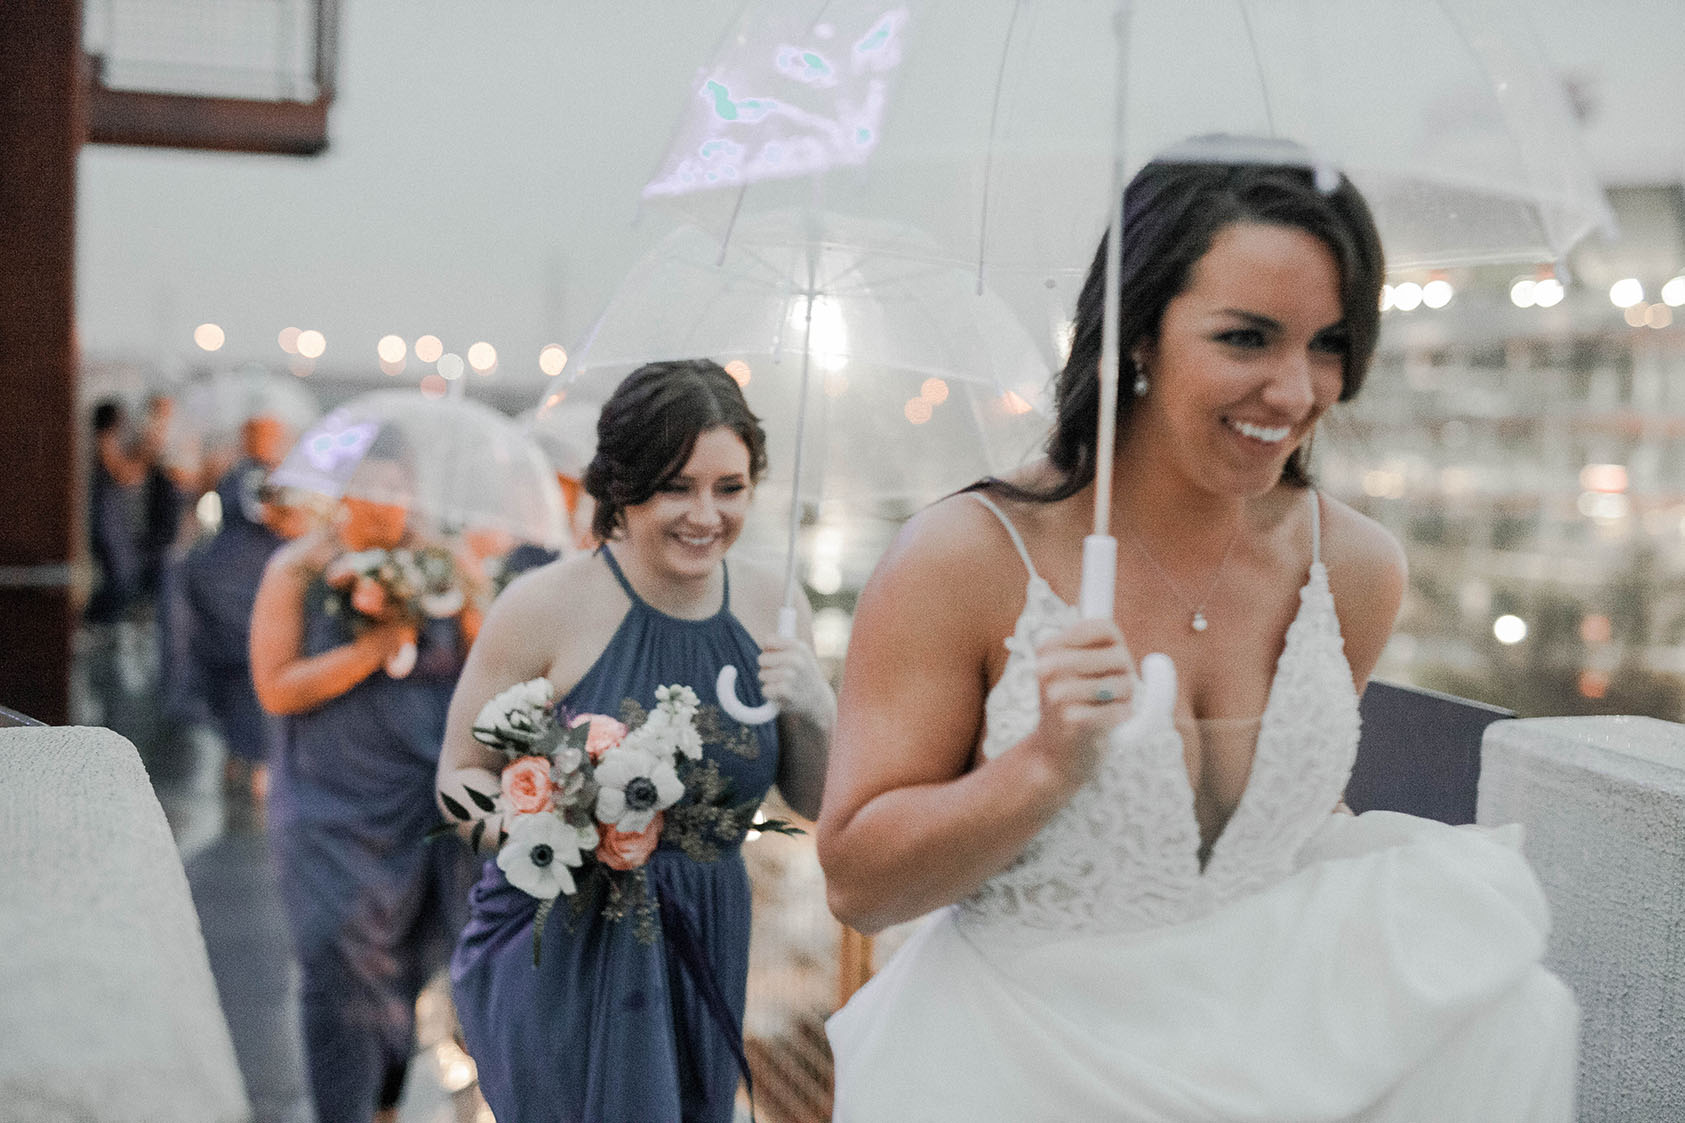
(1181, 924)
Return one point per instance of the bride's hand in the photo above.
(791, 677)
(1085, 682)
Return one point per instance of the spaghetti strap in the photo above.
(632, 594)
(1316, 527)
(614, 568)
(1017, 539)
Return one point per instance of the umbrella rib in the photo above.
(989, 151)
(1257, 65)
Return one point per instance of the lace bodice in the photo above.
(1123, 854)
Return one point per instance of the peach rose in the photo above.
(526, 785)
(605, 733)
(627, 850)
(368, 597)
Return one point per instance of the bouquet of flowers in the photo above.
(414, 583)
(585, 798)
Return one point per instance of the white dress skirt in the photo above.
(1316, 967)
(1395, 976)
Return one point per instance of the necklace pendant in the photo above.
(1199, 623)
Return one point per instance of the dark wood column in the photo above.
(41, 128)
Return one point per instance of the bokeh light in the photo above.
(391, 349)
(1626, 292)
(428, 348)
(311, 344)
(482, 356)
(917, 410)
(288, 339)
(552, 357)
(934, 391)
(1596, 628)
(450, 365)
(739, 371)
(209, 337)
(1509, 629)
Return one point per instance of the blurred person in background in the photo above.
(567, 434)
(373, 906)
(219, 586)
(116, 530)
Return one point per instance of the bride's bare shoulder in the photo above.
(958, 550)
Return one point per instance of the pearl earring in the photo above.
(1140, 385)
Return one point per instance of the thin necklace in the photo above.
(1198, 623)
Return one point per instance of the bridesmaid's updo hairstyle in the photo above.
(648, 429)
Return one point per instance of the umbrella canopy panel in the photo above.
(915, 383)
(458, 464)
(205, 427)
(987, 126)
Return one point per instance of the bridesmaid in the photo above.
(610, 1029)
(373, 908)
(219, 580)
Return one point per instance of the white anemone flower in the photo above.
(536, 855)
(636, 783)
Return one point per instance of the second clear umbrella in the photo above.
(884, 382)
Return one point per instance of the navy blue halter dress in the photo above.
(219, 584)
(373, 906)
(609, 1029)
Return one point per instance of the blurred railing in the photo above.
(240, 75)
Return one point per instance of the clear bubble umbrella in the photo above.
(458, 465)
(883, 382)
(999, 134)
(205, 428)
(989, 128)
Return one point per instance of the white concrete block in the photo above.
(1602, 800)
(108, 1011)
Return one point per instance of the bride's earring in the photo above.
(1140, 386)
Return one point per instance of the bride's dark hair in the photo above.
(1172, 211)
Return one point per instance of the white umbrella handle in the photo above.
(1099, 577)
(1155, 699)
(725, 687)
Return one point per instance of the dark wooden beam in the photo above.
(41, 129)
(223, 124)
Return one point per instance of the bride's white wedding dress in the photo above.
(1318, 967)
